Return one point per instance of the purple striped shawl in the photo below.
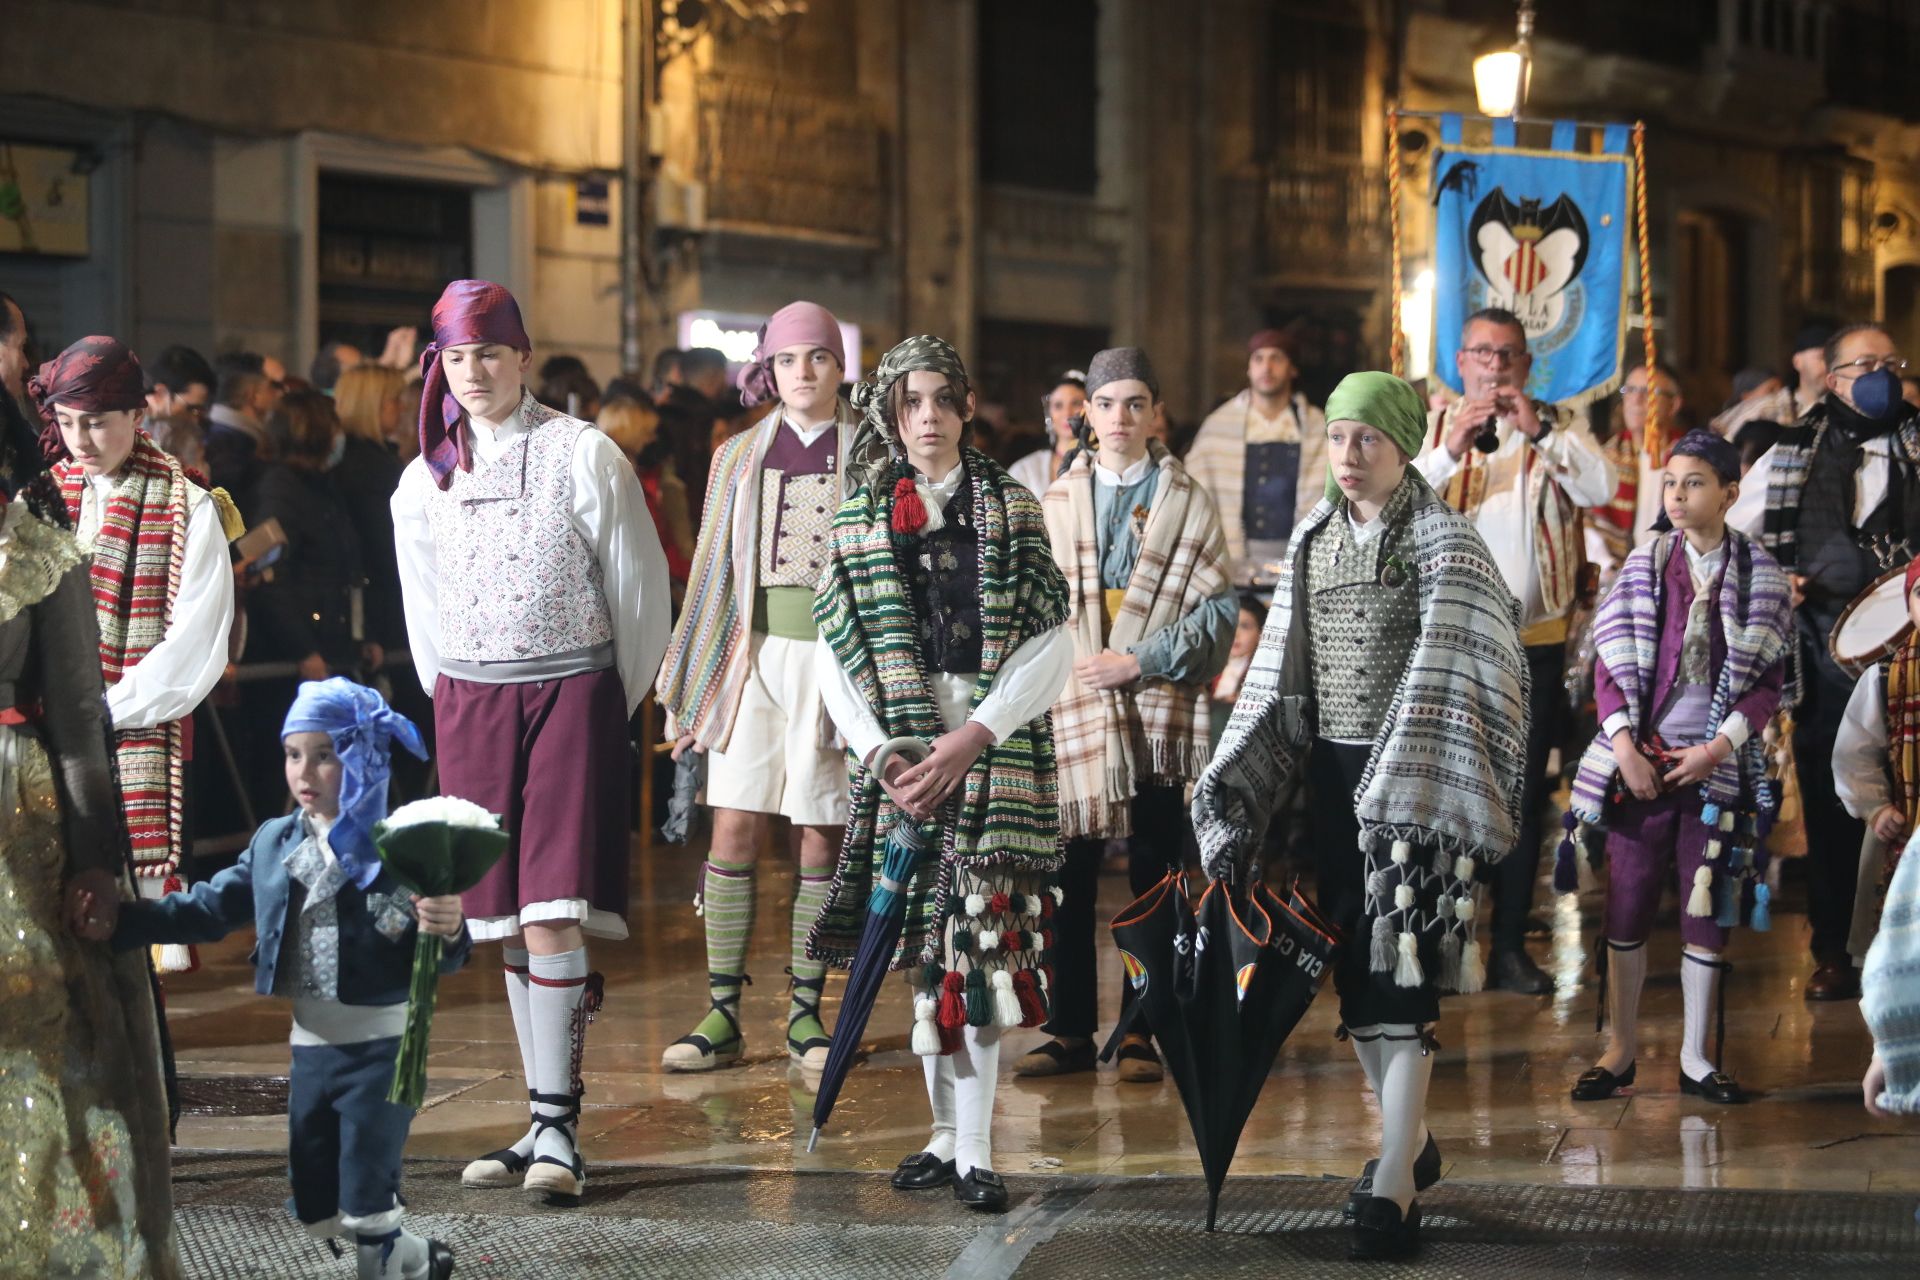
(1756, 618)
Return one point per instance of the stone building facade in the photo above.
(1031, 180)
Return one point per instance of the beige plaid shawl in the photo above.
(1110, 742)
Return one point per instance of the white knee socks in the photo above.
(976, 1070)
(514, 961)
(939, 1069)
(558, 985)
(1366, 1047)
(1626, 975)
(1405, 1070)
(386, 1250)
(1699, 983)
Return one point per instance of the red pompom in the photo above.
(950, 1040)
(1046, 906)
(998, 904)
(952, 1014)
(909, 513)
(1032, 1011)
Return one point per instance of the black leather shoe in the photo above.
(439, 1261)
(1380, 1234)
(1834, 980)
(1715, 1086)
(981, 1189)
(1597, 1084)
(1516, 971)
(923, 1172)
(1426, 1172)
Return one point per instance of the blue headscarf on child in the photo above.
(362, 727)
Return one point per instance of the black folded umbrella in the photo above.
(683, 803)
(1222, 987)
(906, 845)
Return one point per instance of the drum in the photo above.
(1874, 625)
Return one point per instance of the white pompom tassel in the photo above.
(988, 939)
(1463, 909)
(174, 957)
(1463, 868)
(1473, 969)
(1403, 897)
(1700, 901)
(1407, 972)
(1006, 1005)
(976, 904)
(926, 1036)
(1401, 852)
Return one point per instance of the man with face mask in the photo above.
(1842, 482)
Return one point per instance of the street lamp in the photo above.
(1500, 80)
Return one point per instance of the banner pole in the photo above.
(1653, 435)
(1397, 341)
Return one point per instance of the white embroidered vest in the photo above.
(517, 582)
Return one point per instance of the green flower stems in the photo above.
(409, 1086)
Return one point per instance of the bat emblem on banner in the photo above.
(1528, 254)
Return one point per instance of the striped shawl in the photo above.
(1113, 741)
(1756, 620)
(1446, 769)
(705, 670)
(1787, 477)
(137, 557)
(1006, 813)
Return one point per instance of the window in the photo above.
(1038, 94)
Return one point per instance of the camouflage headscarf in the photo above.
(873, 394)
(873, 397)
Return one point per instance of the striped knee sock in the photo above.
(809, 895)
(728, 901)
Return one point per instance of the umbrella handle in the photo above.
(913, 748)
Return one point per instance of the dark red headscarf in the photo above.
(469, 311)
(97, 374)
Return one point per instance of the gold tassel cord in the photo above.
(1654, 426)
(1398, 339)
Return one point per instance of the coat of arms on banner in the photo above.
(1542, 234)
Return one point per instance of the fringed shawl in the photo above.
(1756, 620)
(1446, 769)
(1113, 741)
(705, 669)
(137, 558)
(1006, 813)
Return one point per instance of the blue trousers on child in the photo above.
(344, 1138)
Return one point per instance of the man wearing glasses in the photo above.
(1510, 464)
(1843, 482)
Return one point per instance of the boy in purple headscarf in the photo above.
(537, 605)
(1691, 649)
(335, 936)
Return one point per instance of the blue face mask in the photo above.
(1876, 395)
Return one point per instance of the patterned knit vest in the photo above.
(1363, 618)
(517, 581)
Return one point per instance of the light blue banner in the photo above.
(1543, 235)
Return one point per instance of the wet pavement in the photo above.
(1500, 1106)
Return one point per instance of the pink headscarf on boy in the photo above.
(790, 326)
(469, 311)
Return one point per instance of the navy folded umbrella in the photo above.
(1222, 986)
(906, 846)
